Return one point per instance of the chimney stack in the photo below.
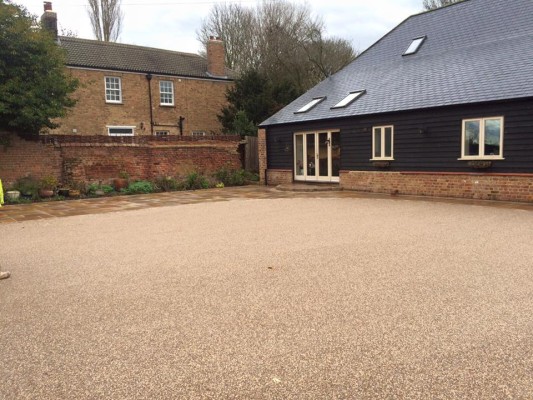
(215, 57)
(49, 19)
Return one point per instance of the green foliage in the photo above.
(243, 126)
(139, 187)
(123, 175)
(20, 200)
(28, 187)
(195, 181)
(34, 84)
(94, 187)
(167, 184)
(49, 182)
(230, 178)
(253, 99)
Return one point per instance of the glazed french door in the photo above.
(317, 156)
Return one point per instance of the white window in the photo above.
(349, 99)
(382, 142)
(198, 133)
(166, 91)
(482, 138)
(161, 133)
(113, 90)
(414, 46)
(121, 130)
(310, 105)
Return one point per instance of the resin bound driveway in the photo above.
(312, 296)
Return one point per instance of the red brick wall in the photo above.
(278, 176)
(198, 101)
(21, 158)
(504, 187)
(105, 158)
(262, 153)
(215, 57)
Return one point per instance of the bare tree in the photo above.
(237, 27)
(106, 19)
(280, 39)
(433, 4)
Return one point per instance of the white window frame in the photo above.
(481, 155)
(120, 127)
(161, 93)
(161, 133)
(310, 105)
(198, 133)
(415, 45)
(349, 99)
(107, 99)
(382, 149)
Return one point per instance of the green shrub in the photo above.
(28, 187)
(107, 189)
(230, 178)
(20, 200)
(93, 187)
(49, 182)
(167, 184)
(251, 176)
(139, 187)
(195, 181)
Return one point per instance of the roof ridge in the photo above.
(127, 45)
(439, 8)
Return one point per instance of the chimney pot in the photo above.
(49, 19)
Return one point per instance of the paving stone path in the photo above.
(51, 209)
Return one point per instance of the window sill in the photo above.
(114, 102)
(480, 158)
(381, 163)
(382, 159)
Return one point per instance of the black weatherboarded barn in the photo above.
(442, 105)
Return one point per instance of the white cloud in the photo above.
(173, 26)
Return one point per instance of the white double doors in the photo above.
(317, 156)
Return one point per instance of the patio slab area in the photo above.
(55, 209)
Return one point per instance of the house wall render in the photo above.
(197, 101)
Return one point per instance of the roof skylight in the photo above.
(414, 46)
(310, 105)
(349, 99)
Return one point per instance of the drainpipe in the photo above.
(180, 125)
(149, 78)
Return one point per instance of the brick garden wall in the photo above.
(90, 159)
(19, 158)
(486, 186)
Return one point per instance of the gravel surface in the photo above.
(318, 298)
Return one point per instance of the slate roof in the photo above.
(475, 51)
(124, 57)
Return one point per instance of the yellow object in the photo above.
(1, 194)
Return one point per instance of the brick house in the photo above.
(440, 106)
(128, 90)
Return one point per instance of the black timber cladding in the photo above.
(437, 149)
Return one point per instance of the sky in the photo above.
(172, 24)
